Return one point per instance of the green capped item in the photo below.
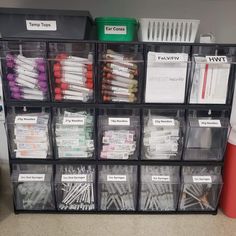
(116, 29)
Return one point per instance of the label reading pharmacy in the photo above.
(26, 120)
(209, 123)
(115, 29)
(116, 178)
(41, 25)
(73, 120)
(160, 178)
(202, 179)
(31, 177)
(163, 122)
(74, 178)
(216, 59)
(118, 121)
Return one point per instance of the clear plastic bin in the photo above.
(29, 132)
(159, 188)
(118, 134)
(117, 186)
(74, 133)
(72, 71)
(163, 134)
(75, 187)
(206, 135)
(32, 186)
(200, 188)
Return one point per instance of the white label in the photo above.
(170, 57)
(73, 120)
(163, 122)
(202, 179)
(74, 178)
(209, 123)
(41, 25)
(118, 121)
(161, 178)
(216, 59)
(31, 177)
(116, 178)
(26, 119)
(115, 29)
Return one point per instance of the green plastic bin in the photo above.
(116, 29)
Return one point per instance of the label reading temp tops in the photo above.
(118, 121)
(202, 179)
(41, 25)
(26, 119)
(216, 59)
(116, 178)
(31, 177)
(163, 122)
(73, 120)
(209, 123)
(115, 29)
(160, 178)
(74, 178)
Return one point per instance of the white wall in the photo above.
(216, 16)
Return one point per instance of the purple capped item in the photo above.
(11, 77)
(41, 67)
(10, 57)
(15, 89)
(42, 77)
(12, 83)
(16, 95)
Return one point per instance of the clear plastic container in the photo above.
(32, 186)
(159, 188)
(200, 188)
(75, 187)
(25, 71)
(74, 133)
(29, 132)
(118, 134)
(117, 188)
(72, 71)
(163, 134)
(206, 135)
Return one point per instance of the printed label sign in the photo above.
(26, 120)
(74, 178)
(116, 178)
(163, 122)
(209, 123)
(115, 29)
(202, 179)
(216, 59)
(41, 25)
(118, 121)
(31, 177)
(170, 57)
(161, 178)
(73, 120)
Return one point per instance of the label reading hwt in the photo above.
(116, 178)
(202, 179)
(115, 29)
(216, 59)
(26, 119)
(118, 121)
(163, 122)
(209, 123)
(31, 177)
(73, 120)
(74, 178)
(41, 25)
(160, 178)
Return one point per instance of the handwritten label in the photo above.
(74, 178)
(216, 59)
(26, 120)
(31, 177)
(202, 179)
(73, 120)
(116, 178)
(118, 121)
(160, 178)
(115, 29)
(41, 25)
(209, 123)
(163, 122)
